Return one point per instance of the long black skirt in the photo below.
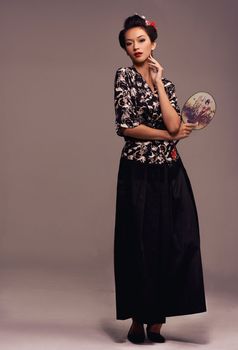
(157, 257)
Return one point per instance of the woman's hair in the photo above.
(137, 21)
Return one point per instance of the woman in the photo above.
(157, 259)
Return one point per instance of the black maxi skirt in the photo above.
(157, 258)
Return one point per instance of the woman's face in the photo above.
(137, 40)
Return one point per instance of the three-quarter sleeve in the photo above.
(173, 98)
(124, 102)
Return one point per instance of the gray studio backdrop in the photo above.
(59, 151)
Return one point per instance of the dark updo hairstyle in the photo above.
(136, 21)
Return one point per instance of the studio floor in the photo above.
(63, 309)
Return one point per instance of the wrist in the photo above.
(172, 136)
(168, 136)
(159, 84)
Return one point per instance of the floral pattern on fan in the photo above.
(199, 108)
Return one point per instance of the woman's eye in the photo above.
(141, 40)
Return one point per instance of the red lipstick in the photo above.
(137, 54)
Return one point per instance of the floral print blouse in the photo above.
(135, 103)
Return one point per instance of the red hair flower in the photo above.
(150, 23)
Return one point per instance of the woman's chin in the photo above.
(139, 60)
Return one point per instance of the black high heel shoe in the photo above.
(136, 337)
(154, 336)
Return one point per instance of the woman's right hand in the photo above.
(184, 130)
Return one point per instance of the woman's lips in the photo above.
(138, 54)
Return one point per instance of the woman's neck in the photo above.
(143, 69)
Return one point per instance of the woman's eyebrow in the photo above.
(137, 37)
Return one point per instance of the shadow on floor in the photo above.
(197, 332)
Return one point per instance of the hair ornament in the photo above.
(148, 23)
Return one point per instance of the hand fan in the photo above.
(199, 108)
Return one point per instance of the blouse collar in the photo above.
(135, 70)
(145, 82)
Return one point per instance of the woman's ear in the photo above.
(154, 45)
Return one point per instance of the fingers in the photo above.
(191, 125)
(186, 129)
(150, 56)
(154, 61)
(154, 67)
(186, 133)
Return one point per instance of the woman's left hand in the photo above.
(156, 70)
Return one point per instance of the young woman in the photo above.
(157, 258)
